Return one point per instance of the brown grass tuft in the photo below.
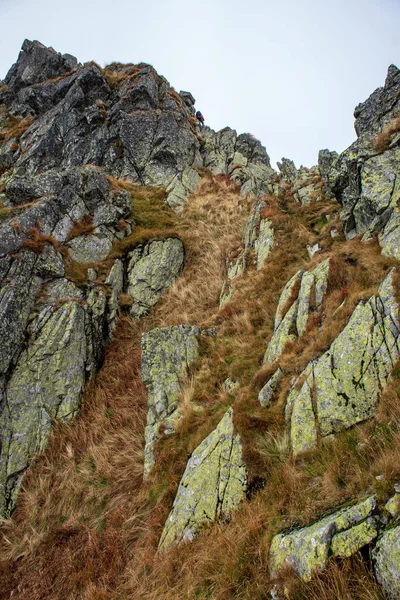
(384, 139)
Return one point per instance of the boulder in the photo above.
(167, 354)
(387, 563)
(46, 385)
(152, 269)
(340, 534)
(213, 485)
(343, 386)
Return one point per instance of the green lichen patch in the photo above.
(212, 486)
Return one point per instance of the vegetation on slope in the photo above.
(87, 526)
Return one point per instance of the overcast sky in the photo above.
(289, 72)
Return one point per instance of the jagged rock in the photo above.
(294, 309)
(91, 248)
(46, 385)
(284, 333)
(17, 297)
(115, 280)
(167, 354)
(264, 243)
(343, 386)
(212, 486)
(288, 170)
(363, 178)
(326, 158)
(387, 563)
(270, 388)
(393, 505)
(340, 534)
(36, 63)
(242, 157)
(152, 269)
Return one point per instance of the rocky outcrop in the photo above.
(364, 178)
(152, 268)
(212, 486)
(167, 354)
(258, 236)
(387, 563)
(343, 386)
(295, 306)
(339, 534)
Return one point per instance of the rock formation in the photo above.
(102, 171)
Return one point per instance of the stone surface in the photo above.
(268, 390)
(213, 485)
(152, 269)
(387, 563)
(308, 549)
(343, 386)
(46, 385)
(364, 179)
(294, 307)
(264, 243)
(167, 354)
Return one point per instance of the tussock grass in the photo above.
(383, 140)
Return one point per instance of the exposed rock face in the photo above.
(268, 390)
(340, 534)
(46, 385)
(387, 563)
(167, 354)
(294, 308)
(364, 178)
(80, 124)
(36, 64)
(152, 269)
(343, 386)
(212, 486)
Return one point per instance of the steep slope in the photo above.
(241, 437)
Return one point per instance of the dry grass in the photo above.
(114, 77)
(210, 225)
(37, 240)
(14, 127)
(87, 527)
(83, 227)
(383, 140)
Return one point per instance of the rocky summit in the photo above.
(199, 356)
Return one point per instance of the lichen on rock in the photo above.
(213, 485)
(308, 549)
(167, 354)
(387, 562)
(348, 379)
(152, 268)
(46, 385)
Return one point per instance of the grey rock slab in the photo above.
(213, 485)
(46, 385)
(152, 269)
(167, 354)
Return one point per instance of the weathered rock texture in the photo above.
(77, 124)
(340, 534)
(212, 486)
(364, 178)
(152, 269)
(343, 386)
(72, 254)
(167, 354)
(294, 307)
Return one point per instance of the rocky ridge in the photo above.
(85, 151)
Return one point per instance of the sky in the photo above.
(289, 72)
